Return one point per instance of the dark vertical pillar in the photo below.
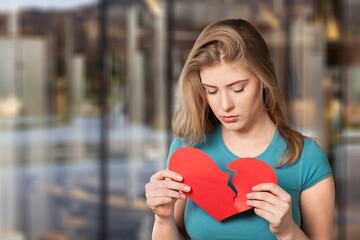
(341, 181)
(169, 66)
(288, 67)
(103, 148)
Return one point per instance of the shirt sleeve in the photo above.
(175, 145)
(315, 165)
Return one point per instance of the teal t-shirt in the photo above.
(311, 168)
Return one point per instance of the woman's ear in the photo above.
(265, 94)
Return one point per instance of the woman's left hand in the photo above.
(273, 204)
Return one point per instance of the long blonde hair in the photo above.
(233, 41)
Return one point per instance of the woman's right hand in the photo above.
(163, 190)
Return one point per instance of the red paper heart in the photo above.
(209, 185)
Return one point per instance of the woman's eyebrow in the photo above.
(228, 85)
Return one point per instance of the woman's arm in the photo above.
(273, 204)
(172, 228)
(165, 197)
(317, 209)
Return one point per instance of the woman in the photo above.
(231, 107)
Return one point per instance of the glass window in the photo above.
(49, 120)
(136, 35)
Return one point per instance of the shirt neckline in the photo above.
(260, 156)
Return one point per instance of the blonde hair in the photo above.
(233, 41)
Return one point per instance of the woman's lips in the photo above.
(229, 119)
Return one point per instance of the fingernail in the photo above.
(179, 177)
(187, 188)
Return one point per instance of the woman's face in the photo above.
(234, 94)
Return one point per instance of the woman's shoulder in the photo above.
(314, 163)
(177, 143)
(312, 146)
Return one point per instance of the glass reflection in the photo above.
(49, 120)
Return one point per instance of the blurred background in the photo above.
(88, 88)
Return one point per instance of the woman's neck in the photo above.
(250, 142)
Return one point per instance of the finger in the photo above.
(172, 185)
(264, 214)
(167, 193)
(164, 173)
(158, 184)
(274, 189)
(156, 202)
(267, 197)
(265, 206)
(264, 196)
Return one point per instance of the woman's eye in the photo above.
(211, 91)
(238, 90)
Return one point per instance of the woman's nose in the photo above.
(226, 102)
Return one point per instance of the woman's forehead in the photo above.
(225, 72)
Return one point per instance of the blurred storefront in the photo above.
(88, 88)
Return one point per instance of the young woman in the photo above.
(231, 107)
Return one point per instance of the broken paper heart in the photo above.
(209, 185)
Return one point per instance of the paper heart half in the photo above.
(209, 185)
